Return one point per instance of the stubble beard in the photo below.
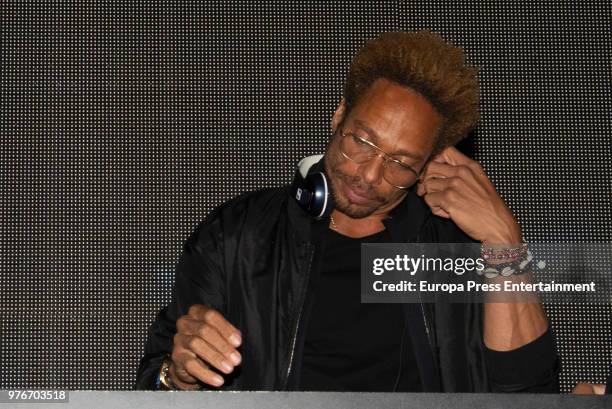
(343, 204)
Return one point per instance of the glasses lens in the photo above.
(356, 149)
(359, 151)
(399, 175)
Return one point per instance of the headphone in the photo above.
(310, 187)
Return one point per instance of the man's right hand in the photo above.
(204, 340)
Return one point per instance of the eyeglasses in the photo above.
(360, 150)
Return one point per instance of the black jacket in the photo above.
(253, 258)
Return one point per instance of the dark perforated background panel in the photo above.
(125, 123)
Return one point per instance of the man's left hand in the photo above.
(456, 187)
(589, 389)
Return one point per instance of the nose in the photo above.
(372, 170)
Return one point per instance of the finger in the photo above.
(433, 185)
(211, 335)
(438, 158)
(181, 374)
(425, 170)
(199, 370)
(440, 212)
(445, 170)
(420, 189)
(582, 389)
(438, 169)
(179, 357)
(444, 200)
(467, 188)
(453, 156)
(434, 209)
(205, 351)
(216, 319)
(599, 388)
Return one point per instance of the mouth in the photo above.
(357, 197)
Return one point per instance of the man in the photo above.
(267, 297)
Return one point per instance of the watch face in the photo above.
(164, 381)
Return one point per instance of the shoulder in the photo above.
(256, 204)
(247, 210)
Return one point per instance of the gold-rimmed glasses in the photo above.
(360, 150)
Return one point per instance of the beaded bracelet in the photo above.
(517, 266)
(504, 252)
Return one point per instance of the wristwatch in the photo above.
(164, 380)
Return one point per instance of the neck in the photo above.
(355, 228)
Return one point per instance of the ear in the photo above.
(338, 115)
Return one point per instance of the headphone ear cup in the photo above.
(310, 187)
(312, 194)
(321, 198)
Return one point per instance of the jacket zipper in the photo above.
(297, 323)
(426, 323)
(293, 347)
(429, 341)
(401, 360)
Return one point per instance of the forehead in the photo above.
(400, 117)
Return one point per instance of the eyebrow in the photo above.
(374, 135)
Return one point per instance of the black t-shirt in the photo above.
(350, 346)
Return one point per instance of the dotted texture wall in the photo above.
(125, 123)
